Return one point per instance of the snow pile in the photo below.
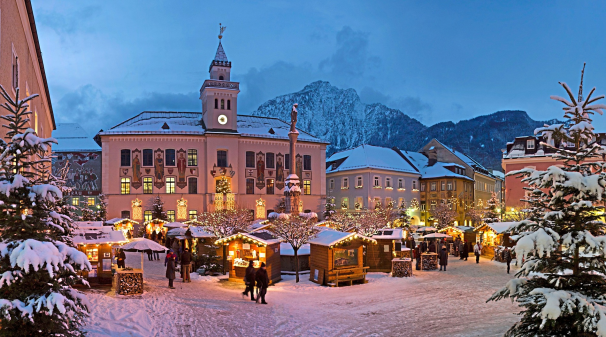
(278, 216)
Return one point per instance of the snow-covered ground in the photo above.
(451, 303)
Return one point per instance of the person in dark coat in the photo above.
(121, 258)
(150, 255)
(418, 256)
(170, 272)
(457, 244)
(249, 280)
(169, 255)
(423, 246)
(465, 251)
(432, 247)
(186, 265)
(153, 236)
(262, 283)
(160, 236)
(461, 249)
(507, 258)
(443, 258)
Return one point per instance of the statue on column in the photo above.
(293, 118)
(292, 191)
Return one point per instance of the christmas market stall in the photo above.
(494, 235)
(257, 247)
(462, 232)
(338, 257)
(287, 258)
(155, 225)
(98, 242)
(204, 249)
(129, 281)
(127, 226)
(389, 246)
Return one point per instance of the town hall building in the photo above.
(209, 160)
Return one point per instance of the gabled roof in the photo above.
(466, 159)
(437, 170)
(220, 54)
(330, 238)
(71, 137)
(368, 156)
(389, 234)
(498, 227)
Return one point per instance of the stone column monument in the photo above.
(292, 191)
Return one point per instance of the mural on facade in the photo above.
(280, 171)
(136, 182)
(181, 167)
(299, 167)
(260, 170)
(159, 168)
(84, 175)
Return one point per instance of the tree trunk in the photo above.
(575, 267)
(296, 264)
(224, 258)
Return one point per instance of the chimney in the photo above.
(432, 156)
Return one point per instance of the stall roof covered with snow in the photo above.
(389, 234)
(497, 227)
(116, 221)
(262, 238)
(368, 156)
(198, 232)
(92, 236)
(330, 238)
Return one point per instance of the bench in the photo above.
(346, 275)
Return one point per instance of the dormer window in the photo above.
(530, 144)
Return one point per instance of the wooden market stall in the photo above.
(337, 257)
(287, 258)
(127, 226)
(156, 225)
(257, 247)
(388, 247)
(494, 235)
(98, 242)
(202, 241)
(462, 232)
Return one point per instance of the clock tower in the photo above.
(219, 95)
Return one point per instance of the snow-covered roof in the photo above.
(437, 170)
(71, 137)
(498, 227)
(175, 225)
(198, 232)
(173, 122)
(498, 174)
(262, 237)
(329, 238)
(286, 249)
(98, 236)
(220, 54)
(369, 156)
(119, 220)
(89, 224)
(389, 234)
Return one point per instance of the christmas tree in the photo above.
(38, 262)
(330, 207)
(87, 214)
(491, 215)
(101, 213)
(403, 219)
(561, 244)
(158, 209)
(223, 186)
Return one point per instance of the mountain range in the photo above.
(339, 117)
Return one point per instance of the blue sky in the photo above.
(434, 60)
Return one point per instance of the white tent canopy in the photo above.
(175, 225)
(426, 229)
(436, 236)
(143, 245)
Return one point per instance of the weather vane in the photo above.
(221, 30)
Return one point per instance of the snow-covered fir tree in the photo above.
(38, 262)
(561, 285)
(492, 205)
(330, 207)
(87, 214)
(403, 219)
(158, 209)
(101, 213)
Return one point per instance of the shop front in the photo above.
(99, 244)
(388, 247)
(155, 225)
(494, 236)
(127, 226)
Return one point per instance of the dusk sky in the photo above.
(436, 61)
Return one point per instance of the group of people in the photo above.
(258, 278)
(172, 260)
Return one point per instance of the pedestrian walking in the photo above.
(477, 249)
(153, 236)
(157, 255)
(170, 272)
(507, 258)
(443, 258)
(465, 250)
(262, 283)
(160, 237)
(150, 255)
(249, 281)
(432, 247)
(176, 248)
(461, 248)
(121, 258)
(418, 256)
(423, 246)
(186, 265)
(169, 255)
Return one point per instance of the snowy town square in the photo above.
(317, 168)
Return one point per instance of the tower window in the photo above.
(229, 104)
(216, 103)
(221, 78)
(222, 158)
(222, 104)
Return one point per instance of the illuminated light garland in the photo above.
(181, 209)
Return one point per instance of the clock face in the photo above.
(222, 119)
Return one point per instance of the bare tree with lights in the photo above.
(296, 231)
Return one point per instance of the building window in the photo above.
(387, 182)
(170, 157)
(15, 71)
(345, 203)
(377, 182)
(433, 205)
(270, 186)
(359, 182)
(250, 186)
(147, 216)
(287, 162)
(250, 159)
(148, 157)
(433, 186)
(192, 185)
(148, 185)
(125, 186)
(400, 183)
(76, 201)
(449, 186)
(222, 104)
(454, 185)
(422, 187)
(193, 214)
(307, 162)
(222, 158)
(170, 216)
(124, 157)
(170, 185)
(307, 187)
(228, 104)
(269, 160)
(216, 103)
(36, 120)
(414, 184)
(90, 201)
(332, 184)
(192, 157)
(345, 183)
(443, 186)
(125, 214)
(423, 207)
(530, 144)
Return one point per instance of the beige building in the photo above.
(208, 160)
(21, 63)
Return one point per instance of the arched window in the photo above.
(221, 78)
(229, 104)
(216, 103)
(222, 104)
